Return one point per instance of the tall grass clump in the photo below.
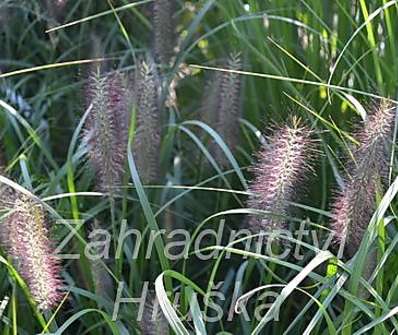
(146, 101)
(106, 132)
(365, 178)
(284, 163)
(222, 104)
(25, 237)
(168, 84)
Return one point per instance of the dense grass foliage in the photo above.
(150, 150)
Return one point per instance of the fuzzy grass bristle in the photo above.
(221, 108)
(374, 137)
(164, 28)
(25, 236)
(352, 211)
(147, 140)
(107, 129)
(284, 162)
(366, 173)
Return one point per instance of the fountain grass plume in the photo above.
(366, 175)
(164, 30)
(230, 104)
(25, 237)
(284, 163)
(221, 108)
(352, 210)
(374, 137)
(147, 140)
(107, 129)
(209, 108)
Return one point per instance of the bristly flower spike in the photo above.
(147, 140)
(366, 173)
(164, 28)
(25, 236)
(284, 162)
(221, 109)
(375, 139)
(107, 129)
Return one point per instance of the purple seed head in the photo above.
(352, 211)
(354, 206)
(164, 28)
(107, 129)
(283, 164)
(221, 107)
(374, 137)
(25, 237)
(147, 140)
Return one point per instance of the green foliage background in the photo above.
(323, 60)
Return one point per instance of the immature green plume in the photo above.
(354, 206)
(147, 140)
